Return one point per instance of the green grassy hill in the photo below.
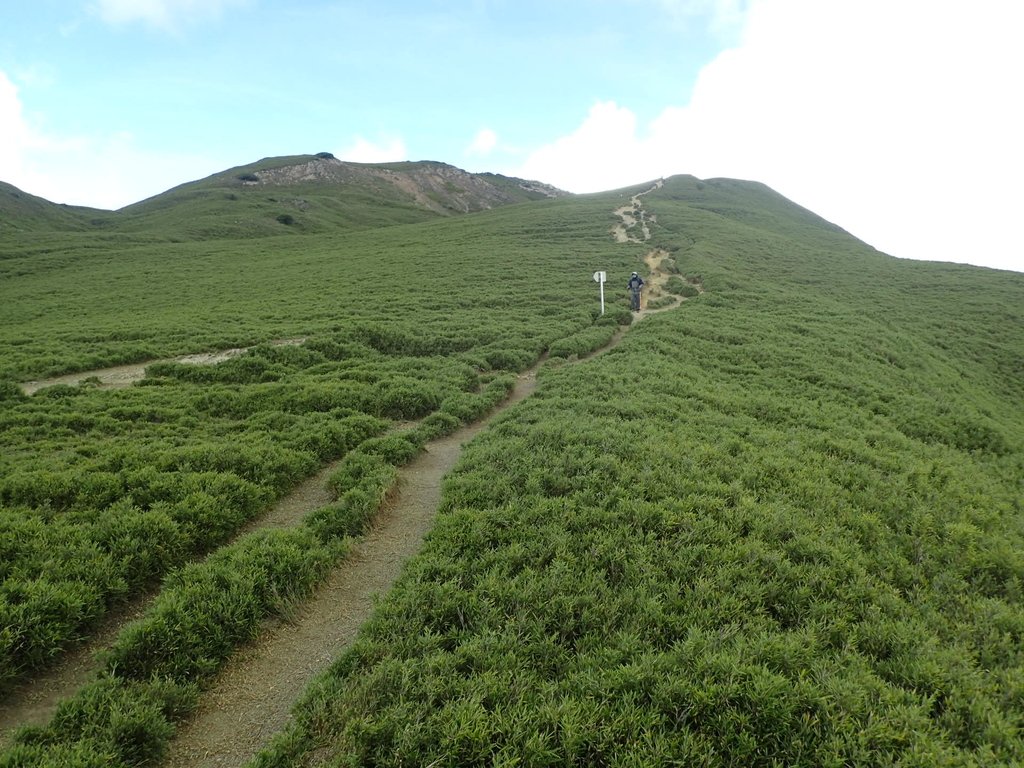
(318, 193)
(22, 213)
(301, 194)
(779, 525)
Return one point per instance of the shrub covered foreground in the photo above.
(779, 526)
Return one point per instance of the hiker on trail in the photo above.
(635, 284)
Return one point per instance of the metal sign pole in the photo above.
(599, 278)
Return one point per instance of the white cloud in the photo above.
(897, 121)
(98, 171)
(20, 141)
(14, 133)
(389, 150)
(166, 15)
(484, 143)
(600, 154)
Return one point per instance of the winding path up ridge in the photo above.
(633, 215)
(251, 699)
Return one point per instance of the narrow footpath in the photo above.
(126, 375)
(251, 699)
(34, 700)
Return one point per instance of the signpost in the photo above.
(600, 277)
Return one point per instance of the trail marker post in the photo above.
(599, 278)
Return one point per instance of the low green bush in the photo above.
(509, 359)
(615, 315)
(661, 302)
(405, 398)
(111, 722)
(206, 610)
(356, 468)
(393, 449)
(462, 406)
(143, 543)
(438, 424)
(676, 285)
(10, 391)
(583, 343)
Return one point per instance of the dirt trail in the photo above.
(633, 215)
(124, 375)
(251, 699)
(34, 700)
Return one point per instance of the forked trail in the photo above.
(251, 699)
(34, 700)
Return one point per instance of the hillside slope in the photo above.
(21, 213)
(779, 525)
(282, 196)
(318, 193)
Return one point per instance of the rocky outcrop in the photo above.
(435, 186)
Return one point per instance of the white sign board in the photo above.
(600, 277)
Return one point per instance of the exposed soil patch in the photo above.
(657, 277)
(621, 231)
(633, 216)
(437, 187)
(124, 375)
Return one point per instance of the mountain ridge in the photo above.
(301, 192)
(22, 210)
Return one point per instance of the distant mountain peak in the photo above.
(433, 185)
(286, 195)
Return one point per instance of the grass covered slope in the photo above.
(22, 213)
(73, 303)
(105, 491)
(781, 525)
(292, 195)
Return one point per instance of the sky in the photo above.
(898, 120)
